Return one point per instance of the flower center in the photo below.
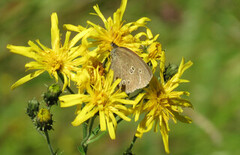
(56, 60)
(101, 99)
(161, 102)
(57, 65)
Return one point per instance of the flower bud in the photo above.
(32, 109)
(52, 94)
(44, 119)
(170, 71)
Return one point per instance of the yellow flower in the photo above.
(116, 31)
(100, 98)
(60, 58)
(163, 103)
(86, 73)
(44, 120)
(44, 115)
(82, 79)
(154, 53)
(87, 76)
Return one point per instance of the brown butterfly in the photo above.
(129, 67)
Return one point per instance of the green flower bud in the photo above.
(32, 109)
(52, 94)
(44, 119)
(170, 71)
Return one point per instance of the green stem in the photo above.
(91, 140)
(48, 141)
(129, 150)
(70, 90)
(119, 120)
(85, 131)
(93, 136)
(94, 133)
(84, 142)
(91, 125)
(62, 79)
(85, 136)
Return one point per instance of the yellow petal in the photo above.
(139, 97)
(187, 65)
(34, 65)
(113, 119)
(88, 108)
(149, 124)
(183, 66)
(54, 74)
(154, 65)
(116, 19)
(66, 83)
(111, 130)
(27, 78)
(139, 23)
(22, 50)
(121, 107)
(183, 81)
(97, 28)
(143, 20)
(70, 100)
(122, 8)
(83, 117)
(119, 95)
(78, 37)
(55, 39)
(102, 120)
(149, 34)
(66, 42)
(124, 101)
(162, 66)
(138, 111)
(120, 114)
(78, 109)
(99, 13)
(71, 27)
(34, 47)
(114, 85)
(164, 133)
(139, 35)
(45, 49)
(137, 115)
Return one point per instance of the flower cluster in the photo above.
(85, 61)
(42, 117)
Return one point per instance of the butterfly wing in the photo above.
(128, 66)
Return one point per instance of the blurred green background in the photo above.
(206, 32)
